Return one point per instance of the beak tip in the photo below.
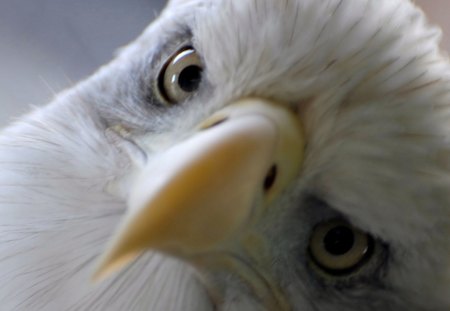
(98, 276)
(102, 271)
(110, 264)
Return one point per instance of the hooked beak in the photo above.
(200, 194)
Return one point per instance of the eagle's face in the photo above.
(326, 126)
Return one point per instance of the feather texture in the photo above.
(372, 90)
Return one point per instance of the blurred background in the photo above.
(48, 45)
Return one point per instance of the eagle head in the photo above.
(239, 155)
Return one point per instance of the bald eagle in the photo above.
(239, 155)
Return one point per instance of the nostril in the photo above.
(270, 178)
(217, 122)
(213, 122)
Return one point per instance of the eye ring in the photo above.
(180, 76)
(338, 248)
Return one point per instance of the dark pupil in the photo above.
(339, 240)
(270, 178)
(189, 78)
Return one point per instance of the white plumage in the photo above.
(371, 89)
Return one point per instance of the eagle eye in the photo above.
(338, 248)
(180, 76)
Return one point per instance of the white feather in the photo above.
(372, 89)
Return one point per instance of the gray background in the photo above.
(48, 45)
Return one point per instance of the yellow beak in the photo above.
(196, 196)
